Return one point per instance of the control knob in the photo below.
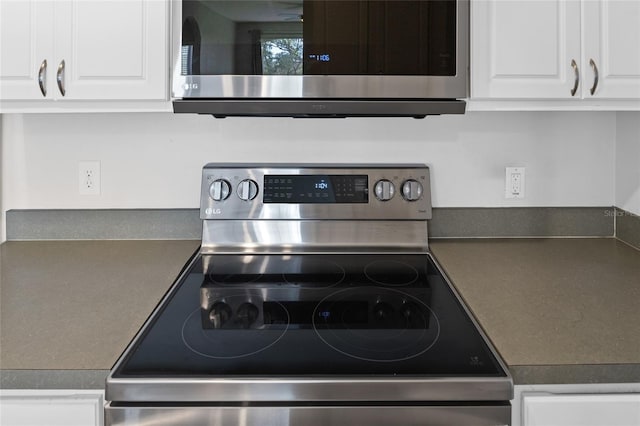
(384, 190)
(247, 190)
(247, 314)
(219, 189)
(219, 314)
(411, 190)
(412, 315)
(382, 312)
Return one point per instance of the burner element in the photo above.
(397, 327)
(241, 334)
(391, 273)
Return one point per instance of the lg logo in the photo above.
(209, 211)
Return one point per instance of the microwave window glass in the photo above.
(319, 37)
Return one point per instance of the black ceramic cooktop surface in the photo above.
(311, 315)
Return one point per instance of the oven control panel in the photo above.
(322, 192)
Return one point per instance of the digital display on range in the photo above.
(330, 189)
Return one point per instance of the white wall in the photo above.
(155, 160)
(628, 161)
(2, 181)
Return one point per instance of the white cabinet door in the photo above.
(94, 49)
(581, 410)
(611, 33)
(51, 408)
(113, 49)
(26, 46)
(524, 49)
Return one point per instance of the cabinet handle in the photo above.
(595, 78)
(60, 78)
(42, 78)
(576, 72)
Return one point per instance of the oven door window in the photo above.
(319, 37)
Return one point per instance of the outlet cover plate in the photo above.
(89, 178)
(514, 183)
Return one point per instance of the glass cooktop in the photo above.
(311, 315)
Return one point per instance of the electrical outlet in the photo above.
(514, 182)
(89, 178)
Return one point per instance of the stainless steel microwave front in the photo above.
(339, 66)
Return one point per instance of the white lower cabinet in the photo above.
(51, 407)
(577, 405)
(581, 410)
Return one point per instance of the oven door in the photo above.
(321, 49)
(378, 415)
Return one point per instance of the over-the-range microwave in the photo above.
(320, 58)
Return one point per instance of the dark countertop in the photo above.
(68, 307)
(558, 310)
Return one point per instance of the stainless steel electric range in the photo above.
(313, 300)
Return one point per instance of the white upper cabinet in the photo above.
(524, 49)
(554, 49)
(26, 49)
(84, 50)
(612, 47)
